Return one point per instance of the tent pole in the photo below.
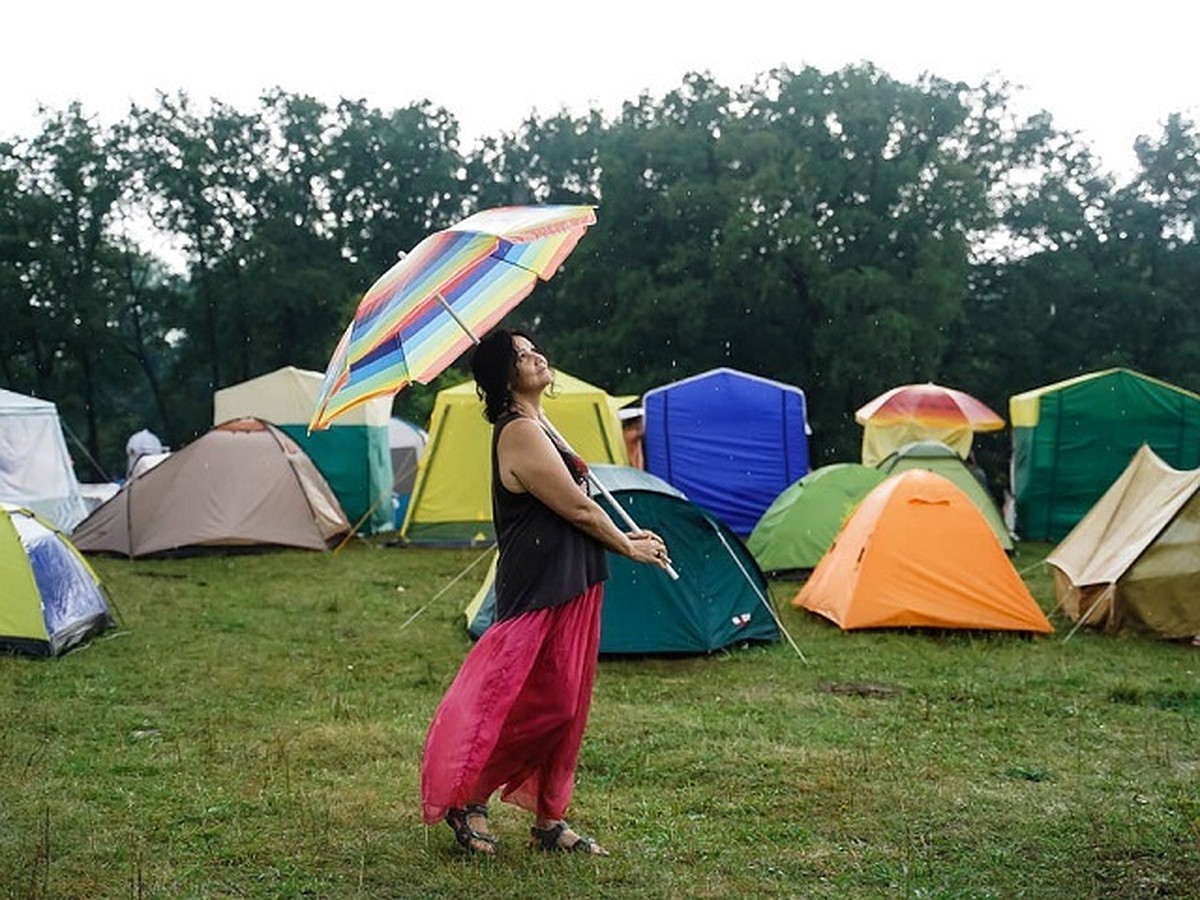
(447, 586)
(1087, 615)
(371, 510)
(765, 601)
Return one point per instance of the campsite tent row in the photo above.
(729, 441)
(733, 443)
(915, 551)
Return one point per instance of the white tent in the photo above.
(35, 469)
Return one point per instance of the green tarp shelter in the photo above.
(353, 454)
(1072, 439)
(720, 598)
(800, 524)
(934, 456)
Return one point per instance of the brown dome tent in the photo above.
(245, 483)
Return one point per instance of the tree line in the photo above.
(841, 231)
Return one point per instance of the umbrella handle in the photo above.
(595, 482)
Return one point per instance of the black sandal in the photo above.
(465, 834)
(550, 839)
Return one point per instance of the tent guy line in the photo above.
(453, 581)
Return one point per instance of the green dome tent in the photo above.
(1072, 439)
(801, 523)
(935, 456)
(720, 598)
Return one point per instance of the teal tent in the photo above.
(801, 523)
(934, 456)
(721, 596)
(1073, 439)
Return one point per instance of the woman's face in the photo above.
(532, 373)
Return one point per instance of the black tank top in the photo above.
(544, 560)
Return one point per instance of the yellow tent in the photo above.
(451, 499)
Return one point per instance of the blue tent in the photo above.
(731, 442)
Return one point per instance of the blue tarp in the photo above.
(732, 442)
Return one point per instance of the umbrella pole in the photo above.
(595, 482)
(455, 316)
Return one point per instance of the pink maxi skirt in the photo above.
(513, 718)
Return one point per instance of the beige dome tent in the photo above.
(352, 454)
(245, 483)
(1133, 561)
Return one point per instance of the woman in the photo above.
(514, 717)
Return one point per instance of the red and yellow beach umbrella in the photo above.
(929, 404)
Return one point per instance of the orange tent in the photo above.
(917, 552)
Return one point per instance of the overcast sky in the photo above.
(1109, 71)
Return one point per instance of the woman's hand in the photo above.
(648, 547)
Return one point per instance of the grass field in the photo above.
(254, 730)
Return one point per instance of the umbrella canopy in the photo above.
(426, 310)
(930, 404)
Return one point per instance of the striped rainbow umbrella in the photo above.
(929, 404)
(433, 304)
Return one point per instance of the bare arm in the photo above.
(529, 461)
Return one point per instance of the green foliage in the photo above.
(255, 729)
(841, 231)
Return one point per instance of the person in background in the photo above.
(513, 719)
(633, 429)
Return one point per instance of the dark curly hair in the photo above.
(493, 364)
